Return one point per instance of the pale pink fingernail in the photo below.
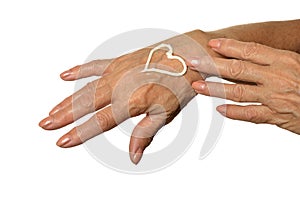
(199, 85)
(137, 156)
(64, 142)
(66, 74)
(222, 109)
(46, 123)
(215, 43)
(195, 62)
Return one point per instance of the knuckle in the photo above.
(134, 104)
(103, 120)
(252, 115)
(286, 123)
(85, 100)
(90, 91)
(106, 84)
(138, 101)
(238, 92)
(102, 82)
(236, 68)
(280, 121)
(250, 50)
(91, 86)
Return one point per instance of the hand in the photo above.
(264, 75)
(123, 91)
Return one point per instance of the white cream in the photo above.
(170, 55)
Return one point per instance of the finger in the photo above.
(66, 102)
(205, 61)
(250, 51)
(87, 90)
(93, 68)
(102, 121)
(251, 113)
(81, 103)
(231, 69)
(234, 92)
(143, 134)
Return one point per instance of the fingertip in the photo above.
(143, 134)
(198, 85)
(136, 148)
(136, 156)
(215, 43)
(67, 75)
(64, 142)
(46, 123)
(71, 74)
(70, 139)
(193, 62)
(195, 85)
(222, 109)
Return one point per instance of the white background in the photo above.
(41, 39)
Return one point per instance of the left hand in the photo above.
(123, 91)
(262, 74)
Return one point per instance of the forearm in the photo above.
(277, 34)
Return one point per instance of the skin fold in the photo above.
(122, 91)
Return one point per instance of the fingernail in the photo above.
(195, 62)
(66, 74)
(199, 85)
(137, 156)
(222, 109)
(215, 43)
(46, 123)
(64, 142)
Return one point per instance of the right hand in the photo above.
(262, 74)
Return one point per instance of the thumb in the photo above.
(143, 134)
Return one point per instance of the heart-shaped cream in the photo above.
(170, 55)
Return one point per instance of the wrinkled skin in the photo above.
(123, 91)
(264, 75)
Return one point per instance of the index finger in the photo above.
(232, 69)
(93, 68)
(250, 51)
